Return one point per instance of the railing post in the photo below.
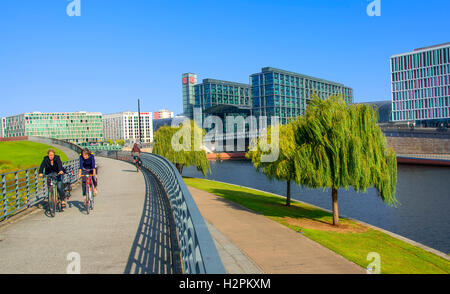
(16, 176)
(36, 182)
(5, 203)
(28, 187)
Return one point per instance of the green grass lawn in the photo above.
(20, 155)
(352, 240)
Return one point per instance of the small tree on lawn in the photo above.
(283, 169)
(341, 146)
(181, 158)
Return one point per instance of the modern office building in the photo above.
(189, 80)
(285, 94)
(223, 99)
(421, 86)
(211, 93)
(2, 123)
(384, 109)
(125, 126)
(75, 127)
(162, 114)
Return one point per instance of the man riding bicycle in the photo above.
(87, 167)
(52, 164)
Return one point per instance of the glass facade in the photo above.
(75, 127)
(188, 82)
(421, 85)
(277, 92)
(215, 92)
(2, 127)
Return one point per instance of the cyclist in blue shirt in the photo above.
(87, 167)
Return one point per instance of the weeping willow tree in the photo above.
(341, 146)
(167, 139)
(283, 169)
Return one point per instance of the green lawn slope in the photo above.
(352, 240)
(18, 155)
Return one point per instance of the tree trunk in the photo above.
(335, 207)
(179, 168)
(288, 193)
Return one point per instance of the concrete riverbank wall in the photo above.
(414, 145)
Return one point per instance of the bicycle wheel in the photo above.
(88, 197)
(91, 201)
(51, 202)
(58, 200)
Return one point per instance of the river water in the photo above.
(423, 192)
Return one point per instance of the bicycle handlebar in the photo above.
(52, 175)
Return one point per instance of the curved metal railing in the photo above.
(198, 251)
(22, 189)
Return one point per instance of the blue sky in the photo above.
(120, 50)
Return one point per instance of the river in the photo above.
(423, 193)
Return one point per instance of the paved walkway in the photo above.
(69, 152)
(273, 247)
(124, 233)
(234, 260)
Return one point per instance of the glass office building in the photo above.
(189, 80)
(223, 99)
(2, 128)
(76, 127)
(212, 93)
(285, 94)
(421, 86)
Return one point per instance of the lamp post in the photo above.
(139, 115)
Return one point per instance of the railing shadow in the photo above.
(151, 252)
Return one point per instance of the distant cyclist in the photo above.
(52, 164)
(87, 167)
(136, 153)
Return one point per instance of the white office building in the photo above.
(162, 114)
(125, 126)
(2, 127)
(421, 86)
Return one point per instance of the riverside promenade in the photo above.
(129, 232)
(272, 247)
(125, 233)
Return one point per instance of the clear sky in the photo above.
(120, 50)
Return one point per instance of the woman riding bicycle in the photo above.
(87, 167)
(136, 151)
(52, 164)
(136, 154)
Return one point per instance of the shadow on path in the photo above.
(154, 248)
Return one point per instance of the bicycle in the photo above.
(89, 192)
(67, 190)
(54, 200)
(137, 162)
